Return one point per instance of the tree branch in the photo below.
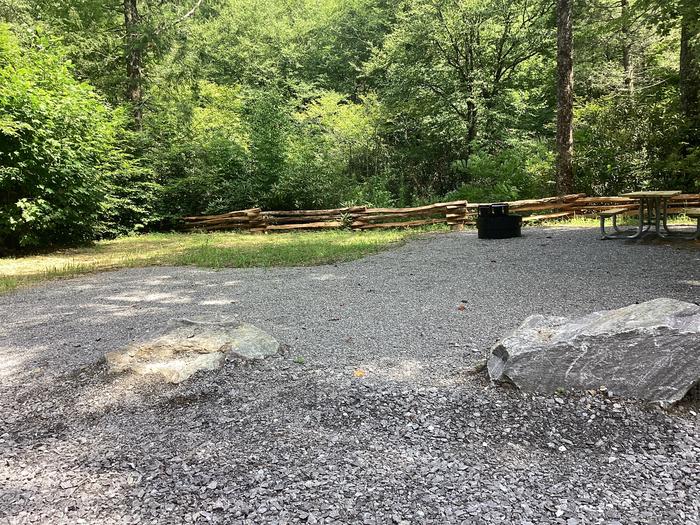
(184, 17)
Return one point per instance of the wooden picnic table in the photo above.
(653, 211)
(664, 194)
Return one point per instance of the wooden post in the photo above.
(257, 222)
(456, 215)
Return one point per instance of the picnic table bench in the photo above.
(653, 213)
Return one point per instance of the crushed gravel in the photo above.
(376, 413)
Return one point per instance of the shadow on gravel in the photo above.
(224, 440)
(282, 440)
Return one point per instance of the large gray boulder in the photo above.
(647, 351)
(187, 346)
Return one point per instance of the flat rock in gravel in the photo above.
(646, 351)
(187, 346)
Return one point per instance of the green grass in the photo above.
(590, 221)
(222, 250)
(213, 250)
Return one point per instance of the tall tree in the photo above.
(690, 66)
(627, 63)
(111, 42)
(134, 60)
(565, 97)
(449, 70)
(138, 37)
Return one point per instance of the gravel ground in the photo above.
(421, 438)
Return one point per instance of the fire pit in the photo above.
(493, 222)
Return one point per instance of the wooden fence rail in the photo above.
(456, 214)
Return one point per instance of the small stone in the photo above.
(189, 346)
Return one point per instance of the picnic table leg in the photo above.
(603, 233)
(657, 215)
(665, 218)
(640, 228)
(615, 226)
(667, 233)
(621, 234)
(645, 219)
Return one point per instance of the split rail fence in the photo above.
(456, 214)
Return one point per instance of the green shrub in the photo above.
(57, 140)
(236, 148)
(524, 169)
(625, 144)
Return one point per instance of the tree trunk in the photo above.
(690, 70)
(472, 129)
(565, 97)
(134, 61)
(627, 48)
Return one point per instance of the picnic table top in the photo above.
(643, 194)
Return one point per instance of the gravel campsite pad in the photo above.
(375, 412)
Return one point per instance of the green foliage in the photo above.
(203, 164)
(520, 171)
(611, 137)
(131, 201)
(327, 156)
(55, 139)
(632, 136)
(236, 148)
(628, 143)
(450, 81)
(214, 250)
(322, 103)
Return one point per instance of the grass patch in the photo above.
(226, 250)
(590, 221)
(212, 250)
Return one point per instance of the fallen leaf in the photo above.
(359, 373)
(461, 308)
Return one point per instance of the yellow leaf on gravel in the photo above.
(359, 373)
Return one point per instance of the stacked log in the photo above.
(456, 214)
(557, 207)
(593, 205)
(571, 205)
(311, 219)
(684, 200)
(250, 219)
(547, 203)
(452, 213)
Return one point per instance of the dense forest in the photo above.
(119, 116)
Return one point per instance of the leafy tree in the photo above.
(111, 41)
(178, 107)
(58, 147)
(449, 72)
